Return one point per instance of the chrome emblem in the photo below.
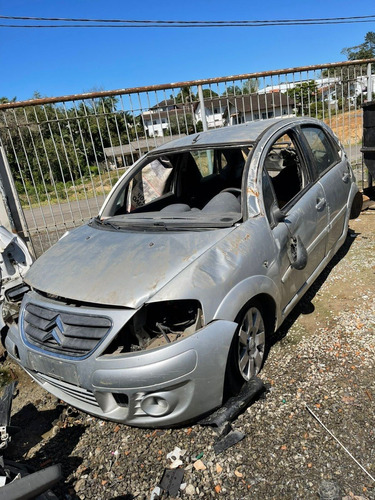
(57, 332)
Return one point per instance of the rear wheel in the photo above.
(356, 205)
(248, 348)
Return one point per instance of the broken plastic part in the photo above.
(222, 417)
(171, 481)
(158, 324)
(233, 437)
(155, 493)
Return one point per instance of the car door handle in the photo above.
(320, 203)
(345, 177)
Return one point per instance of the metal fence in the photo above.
(59, 157)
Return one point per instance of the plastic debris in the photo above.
(176, 463)
(233, 437)
(174, 457)
(222, 418)
(171, 481)
(155, 493)
(176, 454)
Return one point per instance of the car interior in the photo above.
(190, 183)
(285, 170)
(207, 181)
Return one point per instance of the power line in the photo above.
(126, 23)
(181, 22)
(168, 26)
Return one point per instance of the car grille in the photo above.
(67, 333)
(70, 390)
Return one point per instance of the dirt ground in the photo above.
(348, 126)
(323, 357)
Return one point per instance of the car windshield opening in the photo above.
(200, 187)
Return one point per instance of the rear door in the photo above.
(332, 170)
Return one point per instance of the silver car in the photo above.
(160, 307)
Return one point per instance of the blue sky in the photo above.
(56, 62)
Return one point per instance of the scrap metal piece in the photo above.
(5, 410)
(6, 403)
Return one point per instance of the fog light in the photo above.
(158, 404)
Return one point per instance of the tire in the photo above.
(356, 206)
(248, 348)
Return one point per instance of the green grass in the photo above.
(85, 188)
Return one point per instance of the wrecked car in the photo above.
(162, 305)
(15, 261)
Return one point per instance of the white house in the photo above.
(157, 120)
(252, 107)
(214, 111)
(219, 111)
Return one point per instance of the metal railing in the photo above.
(62, 155)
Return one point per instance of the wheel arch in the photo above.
(260, 288)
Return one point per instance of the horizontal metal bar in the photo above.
(151, 88)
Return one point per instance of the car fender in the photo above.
(244, 291)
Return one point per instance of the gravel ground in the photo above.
(322, 357)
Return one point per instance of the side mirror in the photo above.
(278, 215)
(297, 253)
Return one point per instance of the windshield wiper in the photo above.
(167, 224)
(106, 222)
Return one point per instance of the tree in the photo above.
(365, 50)
(46, 142)
(251, 86)
(185, 95)
(207, 94)
(182, 124)
(303, 95)
(5, 100)
(232, 90)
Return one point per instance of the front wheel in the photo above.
(248, 348)
(251, 343)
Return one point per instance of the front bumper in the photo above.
(160, 387)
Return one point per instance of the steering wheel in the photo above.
(232, 190)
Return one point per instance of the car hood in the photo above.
(117, 268)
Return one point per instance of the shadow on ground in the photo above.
(57, 435)
(305, 305)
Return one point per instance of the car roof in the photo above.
(236, 134)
